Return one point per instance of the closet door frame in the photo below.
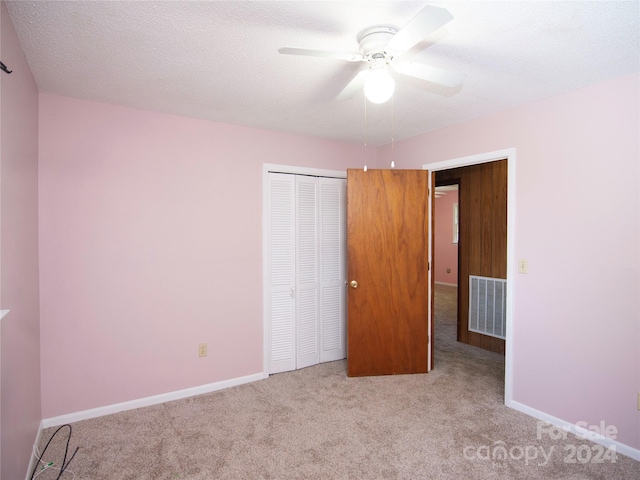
(268, 168)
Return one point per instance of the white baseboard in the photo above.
(148, 401)
(447, 284)
(577, 430)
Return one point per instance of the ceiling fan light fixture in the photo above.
(379, 85)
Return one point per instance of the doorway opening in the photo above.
(509, 158)
(446, 236)
(482, 252)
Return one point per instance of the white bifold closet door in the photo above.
(307, 310)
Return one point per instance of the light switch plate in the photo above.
(523, 266)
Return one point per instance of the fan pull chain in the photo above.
(365, 128)
(392, 132)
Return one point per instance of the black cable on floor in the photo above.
(65, 464)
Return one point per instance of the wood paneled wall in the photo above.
(482, 248)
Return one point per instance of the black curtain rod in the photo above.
(4, 68)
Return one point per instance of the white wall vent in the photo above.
(487, 306)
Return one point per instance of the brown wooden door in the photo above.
(387, 244)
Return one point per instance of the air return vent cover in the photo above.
(487, 306)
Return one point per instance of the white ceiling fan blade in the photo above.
(430, 74)
(427, 21)
(353, 86)
(349, 57)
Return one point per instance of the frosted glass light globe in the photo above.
(379, 85)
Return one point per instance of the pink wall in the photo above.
(576, 328)
(445, 251)
(151, 243)
(20, 391)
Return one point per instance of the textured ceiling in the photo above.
(219, 60)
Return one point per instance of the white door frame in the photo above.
(510, 155)
(266, 169)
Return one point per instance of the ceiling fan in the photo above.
(444, 189)
(380, 48)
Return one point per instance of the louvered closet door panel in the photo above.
(332, 269)
(308, 348)
(282, 272)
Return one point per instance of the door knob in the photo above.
(353, 284)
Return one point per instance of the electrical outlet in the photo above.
(523, 266)
(638, 400)
(202, 350)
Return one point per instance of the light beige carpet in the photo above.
(316, 423)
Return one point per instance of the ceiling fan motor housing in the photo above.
(373, 40)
